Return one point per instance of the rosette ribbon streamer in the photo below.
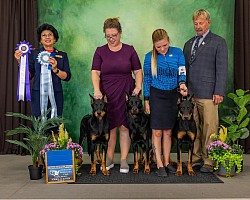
(46, 85)
(23, 72)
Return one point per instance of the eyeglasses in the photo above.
(108, 37)
(47, 35)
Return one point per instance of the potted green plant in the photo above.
(35, 136)
(237, 117)
(228, 158)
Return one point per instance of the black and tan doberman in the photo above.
(96, 128)
(185, 130)
(139, 131)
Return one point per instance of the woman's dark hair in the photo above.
(47, 27)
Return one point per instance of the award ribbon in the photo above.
(46, 85)
(23, 72)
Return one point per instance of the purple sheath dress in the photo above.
(116, 79)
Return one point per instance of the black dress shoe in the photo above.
(161, 172)
(169, 168)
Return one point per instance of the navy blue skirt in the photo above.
(163, 108)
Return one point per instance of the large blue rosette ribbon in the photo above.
(46, 85)
(23, 72)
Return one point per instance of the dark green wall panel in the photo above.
(80, 22)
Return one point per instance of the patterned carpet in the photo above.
(116, 177)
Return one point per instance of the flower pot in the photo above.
(222, 171)
(35, 172)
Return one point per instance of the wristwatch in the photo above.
(57, 71)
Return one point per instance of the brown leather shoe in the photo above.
(207, 168)
(198, 163)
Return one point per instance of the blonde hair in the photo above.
(201, 12)
(157, 35)
(112, 23)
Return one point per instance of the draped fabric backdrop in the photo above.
(18, 20)
(242, 52)
(80, 25)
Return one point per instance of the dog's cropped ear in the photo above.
(140, 95)
(183, 98)
(127, 96)
(178, 100)
(91, 98)
(105, 99)
(190, 98)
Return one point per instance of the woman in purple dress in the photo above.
(112, 68)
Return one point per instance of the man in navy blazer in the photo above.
(207, 69)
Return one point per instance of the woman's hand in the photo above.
(136, 91)
(146, 106)
(53, 63)
(17, 55)
(183, 89)
(138, 81)
(97, 94)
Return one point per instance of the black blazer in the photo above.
(207, 72)
(35, 69)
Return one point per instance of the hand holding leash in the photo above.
(183, 89)
(136, 91)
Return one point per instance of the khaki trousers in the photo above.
(207, 122)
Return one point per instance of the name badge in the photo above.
(58, 56)
(182, 70)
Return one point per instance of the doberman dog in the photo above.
(185, 130)
(139, 130)
(96, 128)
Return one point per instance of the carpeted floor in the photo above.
(116, 177)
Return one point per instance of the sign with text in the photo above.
(60, 166)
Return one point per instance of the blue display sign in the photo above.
(60, 166)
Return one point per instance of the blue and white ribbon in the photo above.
(46, 85)
(23, 72)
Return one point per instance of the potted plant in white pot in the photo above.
(35, 138)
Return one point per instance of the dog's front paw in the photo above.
(135, 170)
(147, 170)
(92, 172)
(190, 170)
(191, 173)
(178, 173)
(105, 172)
(93, 169)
